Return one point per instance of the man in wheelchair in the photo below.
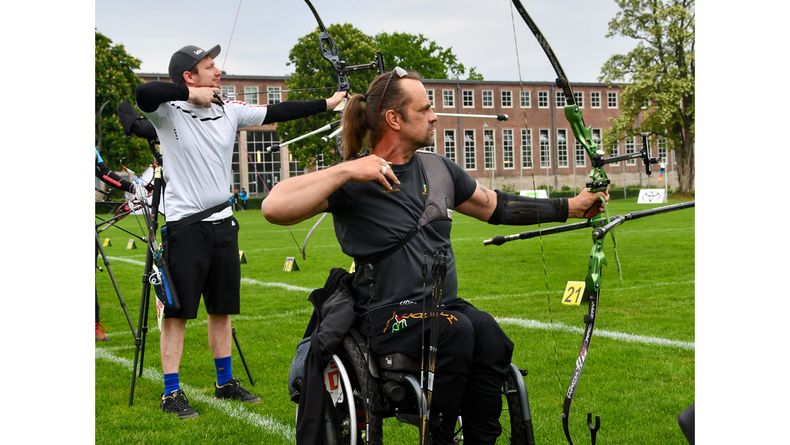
(392, 206)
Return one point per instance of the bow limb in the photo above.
(303, 249)
(330, 52)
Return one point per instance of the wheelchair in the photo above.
(364, 390)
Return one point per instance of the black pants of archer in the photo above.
(481, 403)
(472, 360)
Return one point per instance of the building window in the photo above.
(263, 167)
(596, 132)
(559, 99)
(562, 147)
(228, 92)
(448, 98)
(320, 162)
(630, 147)
(543, 99)
(470, 151)
(468, 98)
(489, 149)
(579, 154)
(614, 150)
(507, 98)
(526, 148)
(507, 148)
(545, 149)
(430, 97)
(273, 95)
(526, 99)
(293, 166)
(251, 95)
(449, 144)
(488, 98)
(578, 97)
(611, 99)
(595, 99)
(662, 149)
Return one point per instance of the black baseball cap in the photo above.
(186, 58)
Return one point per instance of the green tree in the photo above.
(115, 82)
(659, 71)
(314, 77)
(419, 53)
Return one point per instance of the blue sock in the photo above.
(224, 371)
(171, 383)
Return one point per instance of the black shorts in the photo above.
(204, 259)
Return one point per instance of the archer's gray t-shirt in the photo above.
(369, 220)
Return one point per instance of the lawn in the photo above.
(639, 374)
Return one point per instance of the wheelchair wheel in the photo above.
(340, 418)
(348, 419)
(515, 418)
(515, 412)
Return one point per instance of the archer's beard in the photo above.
(428, 140)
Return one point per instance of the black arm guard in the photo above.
(150, 95)
(286, 111)
(515, 210)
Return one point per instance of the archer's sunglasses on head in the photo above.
(401, 73)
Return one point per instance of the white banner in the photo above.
(540, 193)
(651, 196)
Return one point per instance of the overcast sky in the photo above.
(479, 32)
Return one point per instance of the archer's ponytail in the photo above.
(355, 127)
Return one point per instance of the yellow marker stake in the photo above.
(574, 291)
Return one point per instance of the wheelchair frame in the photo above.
(362, 395)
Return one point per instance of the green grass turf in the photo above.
(638, 389)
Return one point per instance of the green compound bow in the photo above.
(601, 223)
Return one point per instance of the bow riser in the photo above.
(598, 179)
(594, 269)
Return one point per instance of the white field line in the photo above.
(154, 328)
(125, 260)
(232, 409)
(558, 291)
(621, 336)
(525, 323)
(274, 284)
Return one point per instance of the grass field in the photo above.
(639, 374)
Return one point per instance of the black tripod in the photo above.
(152, 277)
(100, 250)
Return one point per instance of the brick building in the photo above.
(534, 144)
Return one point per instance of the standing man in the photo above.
(243, 197)
(392, 216)
(197, 131)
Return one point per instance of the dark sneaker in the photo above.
(234, 391)
(178, 404)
